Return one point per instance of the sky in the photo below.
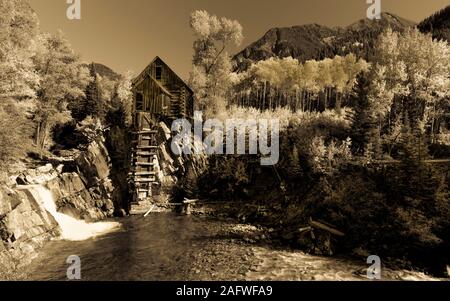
(126, 35)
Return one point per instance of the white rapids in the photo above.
(71, 228)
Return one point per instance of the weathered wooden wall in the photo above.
(154, 99)
(162, 92)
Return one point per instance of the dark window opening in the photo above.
(139, 102)
(158, 72)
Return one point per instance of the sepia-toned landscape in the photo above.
(310, 153)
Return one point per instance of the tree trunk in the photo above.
(338, 102)
(433, 124)
(270, 101)
(264, 97)
(38, 130)
(41, 133)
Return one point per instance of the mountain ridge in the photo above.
(315, 41)
(104, 71)
(438, 24)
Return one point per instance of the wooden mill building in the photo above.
(160, 95)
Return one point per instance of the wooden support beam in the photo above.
(187, 206)
(145, 154)
(187, 201)
(145, 173)
(436, 161)
(145, 132)
(144, 164)
(136, 142)
(147, 147)
(322, 226)
(145, 180)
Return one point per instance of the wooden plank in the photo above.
(146, 132)
(149, 211)
(145, 177)
(305, 229)
(145, 153)
(150, 160)
(144, 164)
(145, 173)
(147, 147)
(143, 139)
(145, 180)
(324, 227)
(436, 161)
(187, 201)
(150, 122)
(142, 173)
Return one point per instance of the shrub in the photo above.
(226, 178)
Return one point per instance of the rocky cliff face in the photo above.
(81, 188)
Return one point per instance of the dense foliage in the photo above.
(211, 64)
(312, 86)
(48, 97)
(361, 164)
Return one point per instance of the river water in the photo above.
(166, 246)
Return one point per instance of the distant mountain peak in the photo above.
(105, 71)
(301, 41)
(315, 41)
(386, 19)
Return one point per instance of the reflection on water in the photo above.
(159, 247)
(172, 247)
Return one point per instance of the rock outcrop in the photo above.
(81, 188)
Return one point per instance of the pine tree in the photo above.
(90, 104)
(416, 178)
(364, 130)
(93, 93)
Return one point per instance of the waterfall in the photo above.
(71, 228)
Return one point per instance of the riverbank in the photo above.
(167, 246)
(219, 241)
(255, 224)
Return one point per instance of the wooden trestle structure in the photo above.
(159, 96)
